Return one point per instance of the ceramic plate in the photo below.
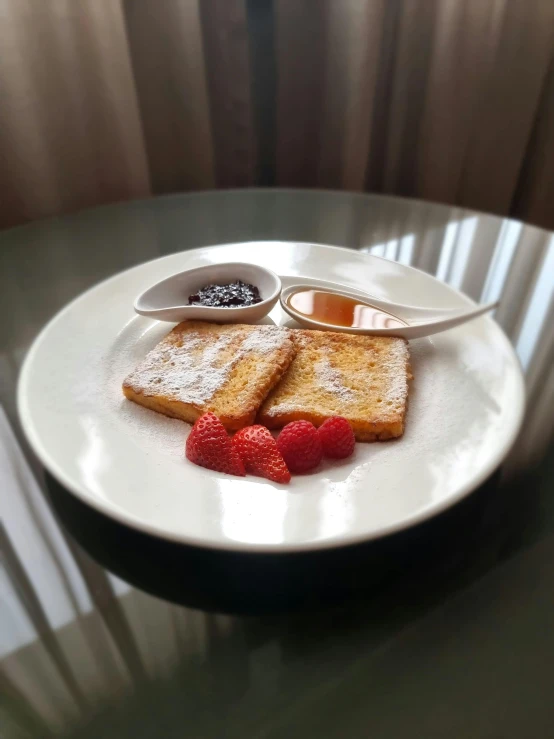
(465, 408)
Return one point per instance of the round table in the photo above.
(442, 630)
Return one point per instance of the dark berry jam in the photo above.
(236, 294)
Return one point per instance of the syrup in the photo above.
(340, 310)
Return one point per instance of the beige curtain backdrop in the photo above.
(104, 100)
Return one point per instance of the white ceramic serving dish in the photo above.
(167, 300)
(465, 408)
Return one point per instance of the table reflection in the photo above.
(76, 640)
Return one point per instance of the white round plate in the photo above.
(465, 408)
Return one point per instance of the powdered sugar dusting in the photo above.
(330, 379)
(190, 367)
(279, 408)
(155, 432)
(266, 339)
(383, 378)
(394, 390)
(183, 370)
(158, 436)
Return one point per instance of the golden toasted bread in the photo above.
(199, 367)
(363, 378)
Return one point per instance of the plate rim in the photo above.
(229, 545)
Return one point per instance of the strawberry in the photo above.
(300, 446)
(337, 438)
(258, 450)
(209, 445)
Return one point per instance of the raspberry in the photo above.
(258, 450)
(337, 438)
(300, 446)
(209, 445)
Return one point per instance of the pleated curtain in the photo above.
(446, 100)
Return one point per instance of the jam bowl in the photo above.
(254, 296)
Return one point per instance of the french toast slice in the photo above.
(363, 378)
(200, 367)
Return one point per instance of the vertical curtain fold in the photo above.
(448, 100)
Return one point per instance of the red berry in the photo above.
(300, 446)
(258, 450)
(209, 445)
(337, 438)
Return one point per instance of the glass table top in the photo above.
(443, 630)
